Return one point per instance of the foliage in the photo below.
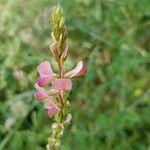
(110, 105)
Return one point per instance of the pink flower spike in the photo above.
(45, 69)
(79, 70)
(44, 80)
(53, 109)
(62, 85)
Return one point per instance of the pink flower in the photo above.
(42, 94)
(46, 73)
(39, 95)
(52, 108)
(62, 85)
(79, 70)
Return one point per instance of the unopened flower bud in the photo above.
(53, 37)
(58, 11)
(68, 119)
(47, 147)
(68, 104)
(60, 43)
(54, 125)
(65, 53)
(61, 23)
(62, 131)
(53, 48)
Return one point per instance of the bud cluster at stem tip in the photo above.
(59, 47)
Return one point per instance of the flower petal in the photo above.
(62, 93)
(62, 84)
(52, 92)
(39, 96)
(44, 93)
(41, 90)
(45, 69)
(49, 103)
(79, 70)
(44, 80)
(53, 109)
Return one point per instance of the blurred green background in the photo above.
(110, 105)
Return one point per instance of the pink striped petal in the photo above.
(62, 93)
(44, 80)
(45, 69)
(62, 84)
(79, 70)
(53, 109)
(39, 96)
(44, 92)
(41, 92)
(40, 89)
(49, 103)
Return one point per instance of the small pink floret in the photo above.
(52, 108)
(52, 111)
(41, 92)
(79, 70)
(39, 96)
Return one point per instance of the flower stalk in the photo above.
(56, 98)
